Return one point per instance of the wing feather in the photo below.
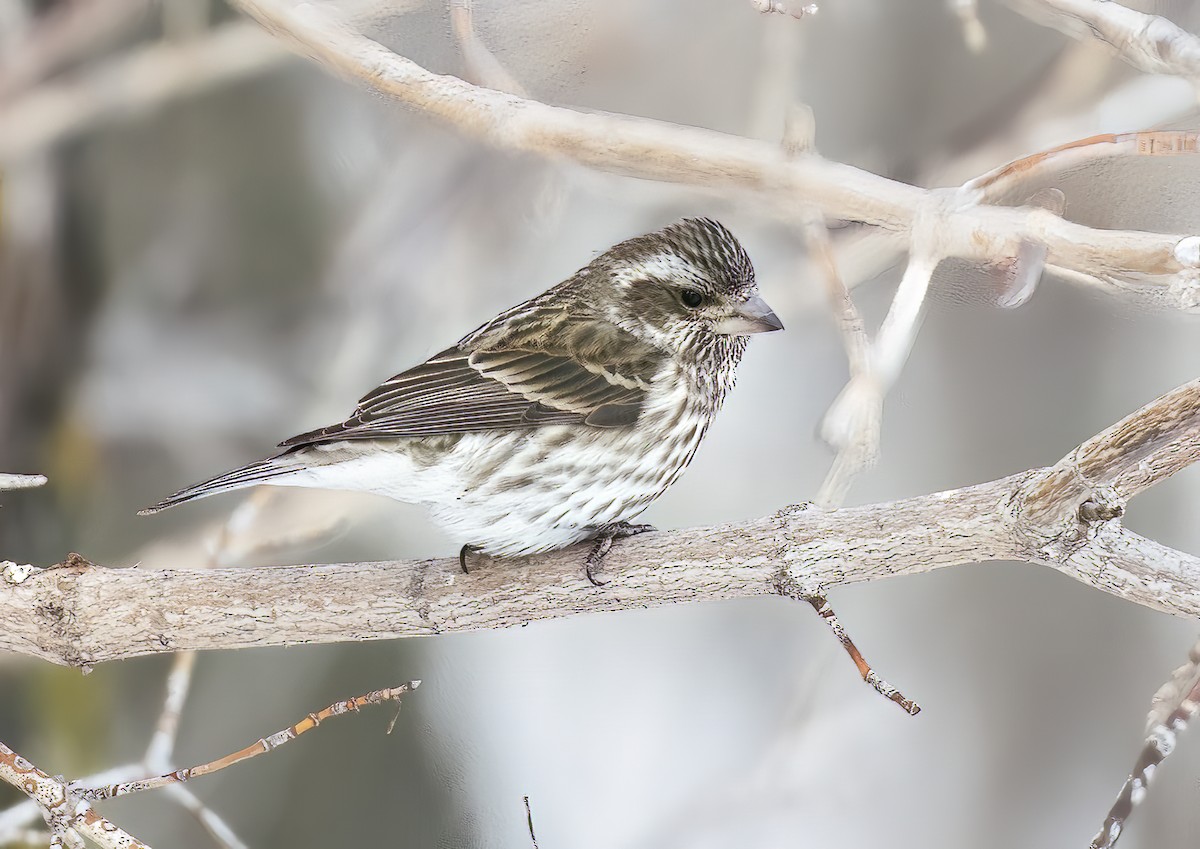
(494, 380)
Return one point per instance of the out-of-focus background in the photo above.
(197, 264)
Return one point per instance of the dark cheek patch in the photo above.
(653, 301)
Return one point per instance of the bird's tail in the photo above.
(255, 473)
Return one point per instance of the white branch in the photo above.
(777, 7)
(974, 34)
(21, 481)
(63, 808)
(668, 152)
(1066, 516)
(1148, 42)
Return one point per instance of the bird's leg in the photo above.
(462, 556)
(605, 535)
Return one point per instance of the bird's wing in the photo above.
(486, 385)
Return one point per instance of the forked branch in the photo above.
(710, 160)
(1067, 516)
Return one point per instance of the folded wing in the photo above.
(463, 390)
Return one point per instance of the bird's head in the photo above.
(688, 284)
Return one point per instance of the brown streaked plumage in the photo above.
(560, 419)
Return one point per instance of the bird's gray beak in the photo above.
(754, 316)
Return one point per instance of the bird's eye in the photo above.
(691, 298)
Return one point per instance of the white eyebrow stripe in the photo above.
(667, 266)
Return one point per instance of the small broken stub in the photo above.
(1092, 511)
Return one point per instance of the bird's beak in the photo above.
(754, 316)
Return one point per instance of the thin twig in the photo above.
(777, 7)
(179, 681)
(209, 820)
(529, 822)
(1181, 704)
(815, 596)
(259, 747)
(144, 78)
(852, 425)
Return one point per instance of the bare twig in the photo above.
(179, 681)
(260, 747)
(146, 77)
(1174, 706)
(852, 425)
(715, 161)
(158, 756)
(78, 613)
(131, 84)
(63, 809)
(66, 806)
(857, 443)
(1148, 42)
(63, 34)
(974, 34)
(21, 481)
(778, 7)
(217, 828)
(484, 67)
(858, 448)
(815, 596)
(529, 822)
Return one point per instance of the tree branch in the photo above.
(137, 81)
(1148, 42)
(8, 481)
(64, 809)
(659, 150)
(80, 614)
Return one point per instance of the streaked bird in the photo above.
(559, 420)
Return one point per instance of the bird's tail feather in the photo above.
(255, 473)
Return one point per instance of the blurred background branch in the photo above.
(661, 151)
(67, 808)
(1150, 43)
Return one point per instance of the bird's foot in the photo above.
(462, 556)
(604, 541)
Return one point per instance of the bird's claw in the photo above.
(604, 542)
(462, 556)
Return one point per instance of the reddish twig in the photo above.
(255, 749)
(816, 597)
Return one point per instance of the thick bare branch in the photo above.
(77, 613)
(1112, 467)
(1148, 42)
(711, 160)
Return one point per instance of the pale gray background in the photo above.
(242, 265)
